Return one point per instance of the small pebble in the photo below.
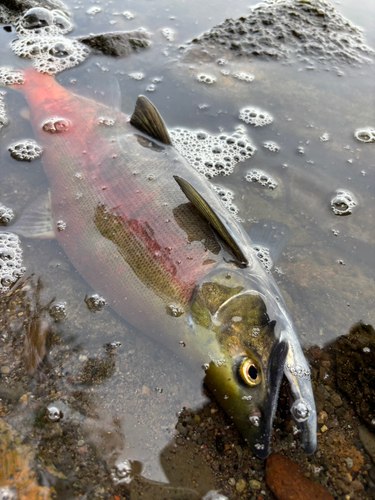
(322, 417)
(231, 481)
(324, 428)
(146, 391)
(241, 485)
(336, 400)
(254, 484)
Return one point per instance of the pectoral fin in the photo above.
(147, 119)
(36, 221)
(213, 217)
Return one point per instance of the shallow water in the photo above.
(120, 402)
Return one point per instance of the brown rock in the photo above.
(287, 482)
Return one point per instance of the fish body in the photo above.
(147, 232)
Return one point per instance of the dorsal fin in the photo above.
(147, 119)
(213, 217)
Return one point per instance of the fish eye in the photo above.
(249, 372)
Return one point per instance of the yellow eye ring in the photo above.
(249, 372)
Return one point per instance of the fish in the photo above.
(147, 232)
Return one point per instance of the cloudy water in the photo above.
(274, 103)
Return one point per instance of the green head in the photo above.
(238, 329)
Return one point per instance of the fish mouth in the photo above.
(258, 430)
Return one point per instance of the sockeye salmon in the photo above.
(147, 231)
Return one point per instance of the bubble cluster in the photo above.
(137, 76)
(271, 146)
(56, 125)
(264, 257)
(121, 473)
(128, 15)
(209, 80)
(51, 54)
(168, 33)
(43, 22)
(226, 197)
(343, 202)
(365, 135)
(10, 76)
(95, 302)
(256, 117)
(212, 155)
(10, 261)
(262, 178)
(244, 77)
(324, 137)
(6, 214)
(26, 150)
(3, 115)
(92, 11)
(57, 311)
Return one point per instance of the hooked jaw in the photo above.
(256, 426)
(303, 408)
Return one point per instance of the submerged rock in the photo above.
(286, 481)
(280, 29)
(117, 43)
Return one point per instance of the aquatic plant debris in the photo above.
(310, 30)
(10, 261)
(212, 155)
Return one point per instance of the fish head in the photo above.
(246, 356)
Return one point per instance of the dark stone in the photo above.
(118, 43)
(285, 29)
(355, 369)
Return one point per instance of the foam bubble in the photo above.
(10, 76)
(324, 137)
(43, 22)
(271, 146)
(209, 80)
(56, 125)
(264, 257)
(365, 135)
(10, 261)
(343, 203)
(58, 311)
(137, 76)
(168, 33)
(3, 114)
(51, 54)
(255, 116)
(128, 15)
(95, 302)
(6, 214)
(262, 178)
(93, 10)
(26, 150)
(212, 155)
(244, 77)
(226, 196)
